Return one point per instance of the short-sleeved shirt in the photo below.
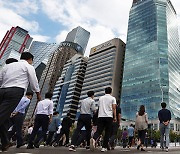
(87, 106)
(45, 107)
(105, 106)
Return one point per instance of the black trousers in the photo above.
(42, 121)
(50, 137)
(141, 135)
(114, 131)
(83, 120)
(17, 122)
(9, 99)
(104, 123)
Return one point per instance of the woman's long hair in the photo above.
(141, 110)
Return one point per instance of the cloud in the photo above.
(103, 19)
(23, 7)
(41, 38)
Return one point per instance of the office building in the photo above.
(41, 51)
(151, 69)
(104, 68)
(65, 51)
(16, 39)
(80, 36)
(67, 90)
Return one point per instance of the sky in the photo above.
(51, 20)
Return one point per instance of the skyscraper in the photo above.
(80, 36)
(67, 90)
(17, 39)
(151, 69)
(104, 68)
(41, 51)
(65, 51)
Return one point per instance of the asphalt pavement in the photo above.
(64, 150)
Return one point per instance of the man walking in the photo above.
(86, 109)
(130, 135)
(14, 80)
(44, 111)
(106, 115)
(17, 118)
(164, 118)
(53, 127)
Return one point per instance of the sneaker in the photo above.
(87, 147)
(92, 144)
(142, 149)
(103, 149)
(167, 149)
(30, 147)
(72, 148)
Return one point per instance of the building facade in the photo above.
(151, 69)
(67, 90)
(104, 68)
(16, 39)
(41, 51)
(80, 36)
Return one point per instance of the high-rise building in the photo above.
(151, 69)
(80, 36)
(41, 51)
(67, 90)
(65, 51)
(17, 39)
(104, 68)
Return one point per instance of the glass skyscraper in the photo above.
(80, 36)
(151, 69)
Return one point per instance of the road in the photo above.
(64, 150)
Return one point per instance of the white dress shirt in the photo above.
(19, 74)
(45, 107)
(105, 105)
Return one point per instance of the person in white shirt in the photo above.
(44, 112)
(14, 80)
(106, 115)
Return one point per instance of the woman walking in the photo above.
(141, 125)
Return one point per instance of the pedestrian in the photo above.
(130, 135)
(164, 118)
(44, 111)
(124, 138)
(14, 80)
(87, 107)
(115, 126)
(53, 127)
(106, 115)
(17, 118)
(141, 124)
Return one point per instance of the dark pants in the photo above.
(81, 138)
(49, 138)
(83, 120)
(130, 140)
(104, 123)
(63, 131)
(114, 131)
(41, 120)
(9, 99)
(141, 135)
(17, 121)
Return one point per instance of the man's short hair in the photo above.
(56, 113)
(163, 105)
(11, 60)
(48, 95)
(29, 93)
(69, 114)
(90, 93)
(108, 90)
(26, 56)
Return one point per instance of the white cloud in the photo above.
(9, 18)
(41, 38)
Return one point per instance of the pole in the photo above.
(162, 93)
